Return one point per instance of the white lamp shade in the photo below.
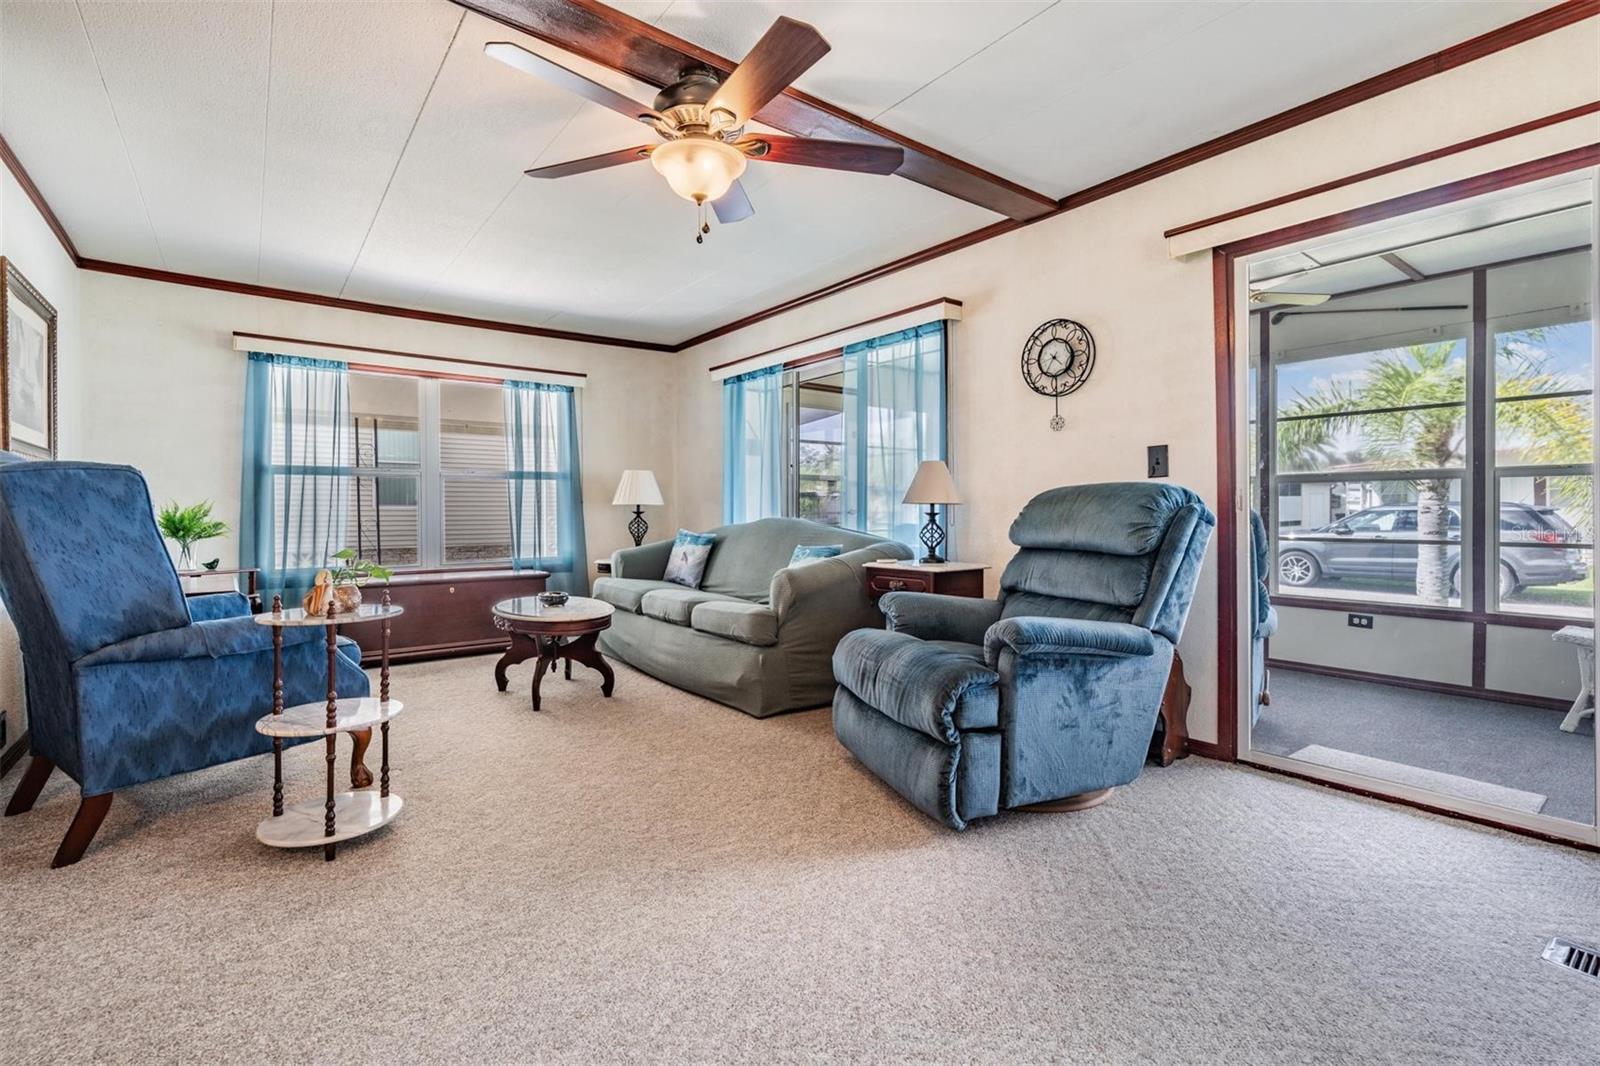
(698, 168)
(933, 484)
(637, 488)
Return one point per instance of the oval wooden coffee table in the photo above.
(567, 632)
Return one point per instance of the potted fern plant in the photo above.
(188, 526)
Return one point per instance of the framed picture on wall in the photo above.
(27, 366)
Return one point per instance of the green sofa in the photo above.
(758, 634)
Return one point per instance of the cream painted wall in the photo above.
(1107, 265)
(27, 241)
(165, 391)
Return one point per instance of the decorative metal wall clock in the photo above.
(1057, 360)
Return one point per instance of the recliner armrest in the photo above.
(1268, 626)
(213, 605)
(647, 561)
(1032, 635)
(931, 616)
(202, 640)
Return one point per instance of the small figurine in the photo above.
(320, 599)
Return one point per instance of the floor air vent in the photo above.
(1575, 957)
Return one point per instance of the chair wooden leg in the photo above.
(91, 812)
(360, 776)
(32, 783)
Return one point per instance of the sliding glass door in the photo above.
(1420, 428)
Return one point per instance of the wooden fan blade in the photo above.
(556, 74)
(786, 51)
(734, 205)
(831, 155)
(593, 162)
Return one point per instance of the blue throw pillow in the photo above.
(687, 564)
(810, 553)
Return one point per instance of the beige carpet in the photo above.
(655, 877)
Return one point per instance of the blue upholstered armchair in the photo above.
(1048, 695)
(1263, 619)
(127, 681)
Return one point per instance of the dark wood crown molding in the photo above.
(1389, 168)
(25, 180)
(649, 54)
(1496, 40)
(268, 292)
(587, 17)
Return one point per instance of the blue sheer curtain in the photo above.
(299, 457)
(752, 445)
(545, 485)
(894, 418)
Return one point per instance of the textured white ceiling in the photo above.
(369, 149)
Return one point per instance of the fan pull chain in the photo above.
(704, 226)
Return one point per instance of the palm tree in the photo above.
(1409, 410)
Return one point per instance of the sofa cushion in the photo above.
(687, 564)
(810, 553)
(624, 593)
(937, 687)
(675, 604)
(749, 553)
(748, 623)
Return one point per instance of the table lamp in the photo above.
(639, 489)
(933, 485)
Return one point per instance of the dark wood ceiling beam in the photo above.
(606, 36)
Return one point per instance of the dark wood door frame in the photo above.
(1224, 260)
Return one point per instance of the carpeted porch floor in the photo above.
(655, 877)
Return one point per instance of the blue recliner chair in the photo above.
(1047, 696)
(128, 681)
(1263, 620)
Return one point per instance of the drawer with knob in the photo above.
(448, 612)
(946, 579)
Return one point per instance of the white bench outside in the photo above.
(1582, 638)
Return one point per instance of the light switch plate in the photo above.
(1157, 461)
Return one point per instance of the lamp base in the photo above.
(638, 527)
(932, 537)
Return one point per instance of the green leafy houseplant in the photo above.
(349, 570)
(187, 526)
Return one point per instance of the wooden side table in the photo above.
(548, 632)
(902, 575)
(340, 815)
(193, 582)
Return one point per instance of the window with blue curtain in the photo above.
(544, 484)
(894, 418)
(299, 457)
(752, 445)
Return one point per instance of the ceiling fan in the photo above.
(701, 120)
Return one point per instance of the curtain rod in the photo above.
(837, 329)
(460, 360)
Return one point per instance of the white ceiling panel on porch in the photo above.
(370, 149)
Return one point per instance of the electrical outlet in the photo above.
(1361, 621)
(1157, 464)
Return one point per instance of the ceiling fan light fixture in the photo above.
(700, 169)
